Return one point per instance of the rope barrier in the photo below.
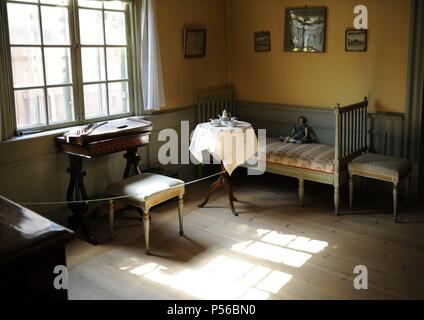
(111, 198)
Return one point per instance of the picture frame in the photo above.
(262, 41)
(356, 40)
(195, 43)
(305, 29)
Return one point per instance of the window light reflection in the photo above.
(229, 278)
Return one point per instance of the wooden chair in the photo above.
(146, 191)
(380, 167)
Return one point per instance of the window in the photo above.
(69, 61)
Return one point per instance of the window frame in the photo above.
(75, 48)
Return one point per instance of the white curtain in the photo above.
(149, 58)
(7, 119)
(7, 122)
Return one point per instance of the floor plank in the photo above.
(273, 250)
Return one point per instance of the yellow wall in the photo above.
(322, 79)
(184, 77)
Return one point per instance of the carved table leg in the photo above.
(76, 192)
(215, 186)
(228, 187)
(231, 187)
(132, 168)
(223, 181)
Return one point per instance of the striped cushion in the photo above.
(316, 157)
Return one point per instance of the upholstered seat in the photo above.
(144, 192)
(377, 165)
(144, 186)
(380, 167)
(312, 156)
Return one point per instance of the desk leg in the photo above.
(223, 181)
(77, 192)
(132, 168)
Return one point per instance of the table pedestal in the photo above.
(77, 192)
(223, 181)
(133, 159)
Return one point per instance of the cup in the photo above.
(216, 122)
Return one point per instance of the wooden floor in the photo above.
(273, 250)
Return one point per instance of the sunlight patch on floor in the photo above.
(272, 253)
(222, 278)
(274, 246)
(295, 242)
(227, 278)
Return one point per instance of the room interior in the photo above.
(288, 233)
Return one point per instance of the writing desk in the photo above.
(112, 137)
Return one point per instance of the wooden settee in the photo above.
(323, 163)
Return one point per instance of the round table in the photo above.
(232, 146)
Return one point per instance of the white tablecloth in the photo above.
(233, 146)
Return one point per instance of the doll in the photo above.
(299, 134)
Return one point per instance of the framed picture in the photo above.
(305, 29)
(262, 41)
(194, 43)
(356, 40)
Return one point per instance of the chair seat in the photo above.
(144, 186)
(146, 191)
(375, 165)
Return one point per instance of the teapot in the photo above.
(225, 116)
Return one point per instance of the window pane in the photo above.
(95, 100)
(30, 108)
(31, 1)
(58, 66)
(116, 5)
(62, 2)
(118, 97)
(93, 64)
(61, 105)
(55, 25)
(90, 3)
(27, 67)
(115, 28)
(117, 63)
(91, 27)
(24, 25)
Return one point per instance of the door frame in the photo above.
(413, 137)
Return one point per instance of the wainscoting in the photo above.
(172, 120)
(31, 170)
